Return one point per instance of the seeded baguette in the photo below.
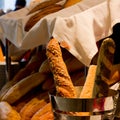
(63, 83)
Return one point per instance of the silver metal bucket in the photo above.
(98, 108)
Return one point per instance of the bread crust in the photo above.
(63, 83)
(104, 67)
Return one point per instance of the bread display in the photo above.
(27, 96)
(63, 83)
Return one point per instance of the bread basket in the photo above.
(99, 108)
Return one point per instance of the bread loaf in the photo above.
(31, 67)
(71, 2)
(42, 5)
(87, 90)
(42, 111)
(115, 74)
(31, 108)
(71, 62)
(104, 67)
(7, 112)
(40, 14)
(63, 83)
(44, 68)
(48, 83)
(22, 87)
(47, 116)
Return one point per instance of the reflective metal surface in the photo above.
(97, 108)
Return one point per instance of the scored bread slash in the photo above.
(63, 82)
(104, 68)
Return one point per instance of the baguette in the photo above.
(32, 67)
(42, 5)
(78, 77)
(42, 111)
(104, 67)
(115, 74)
(87, 90)
(71, 2)
(48, 83)
(31, 108)
(40, 14)
(24, 86)
(35, 93)
(63, 82)
(72, 65)
(7, 112)
(44, 68)
(47, 116)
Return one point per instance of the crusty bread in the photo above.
(41, 5)
(46, 116)
(42, 111)
(40, 14)
(22, 87)
(115, 74)
(31, 108)
(104, 67)
(71, 2)
(48, 83)
(63, 83)
(7, 112)
(87, 90)
(31, 67)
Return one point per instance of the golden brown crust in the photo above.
(42, 111)
(21, 88)
(43, 5)
(87, 90)
(40, 14)
(31, 108)
(47, 116)
(59, 70)
(71, 2)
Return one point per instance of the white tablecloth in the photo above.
(79, 26)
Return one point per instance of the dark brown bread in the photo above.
(104, 67)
